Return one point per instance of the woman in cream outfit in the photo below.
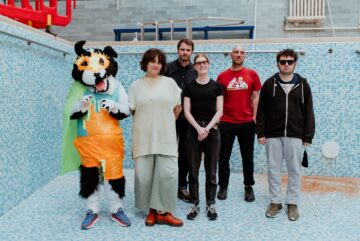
(155, 104)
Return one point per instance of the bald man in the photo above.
(241, 96)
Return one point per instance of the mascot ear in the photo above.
(79, 48)
(109, 51)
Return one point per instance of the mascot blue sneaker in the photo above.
(121, 218)
(90, 219)
(92, 136)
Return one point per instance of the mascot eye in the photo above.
(84, 63)
(101, 61)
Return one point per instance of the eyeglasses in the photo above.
(289, 62)
(201, 63)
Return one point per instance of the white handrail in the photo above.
(255, 11)
(195, 19)
(359, 14)
(331, 20)
(187, 21)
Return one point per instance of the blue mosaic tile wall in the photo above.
(34, 84)
(35, 81)
(335, 82)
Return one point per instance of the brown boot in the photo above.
(151, 218)
(168, 219)
(184, 195)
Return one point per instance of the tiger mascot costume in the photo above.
(95, 104)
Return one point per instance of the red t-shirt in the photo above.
(238, 87)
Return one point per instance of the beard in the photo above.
(184, 57)
(286, 72)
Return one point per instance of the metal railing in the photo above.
(29, 42)
(188, 24)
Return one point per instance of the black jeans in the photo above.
(211, 148)
(181, 127)
(245, 134)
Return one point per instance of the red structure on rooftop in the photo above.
(40, 16)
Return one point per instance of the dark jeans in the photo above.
(211, 148)
(245, 134)
(181, 128)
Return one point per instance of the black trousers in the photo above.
(210, 146)
(245, 134)
(181, 128)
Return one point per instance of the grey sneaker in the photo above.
(273, 210)
(293, 213)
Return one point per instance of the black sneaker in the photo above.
(211, 212)
(222, 194)
(249, 194)
(194, 211)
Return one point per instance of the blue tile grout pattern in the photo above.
(55, 212)
(36, 80)
(34, 84)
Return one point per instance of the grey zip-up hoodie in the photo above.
(285, 115)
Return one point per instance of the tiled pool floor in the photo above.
(329, 210)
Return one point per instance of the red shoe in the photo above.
(168, 219)
(151, 218)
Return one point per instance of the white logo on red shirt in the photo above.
(237, 84)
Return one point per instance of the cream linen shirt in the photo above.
(152, 101)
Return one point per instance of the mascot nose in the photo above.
(98, 79)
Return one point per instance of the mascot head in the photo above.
(93, 67)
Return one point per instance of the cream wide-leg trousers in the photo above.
(156, 181)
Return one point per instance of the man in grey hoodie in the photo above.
(285, 123)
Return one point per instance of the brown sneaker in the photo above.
(222, 194)
(293, 213)
(151, 218)
(273, 210)
(184, 195)
(249, 194)
(168, 219)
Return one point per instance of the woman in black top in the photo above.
(203, 107)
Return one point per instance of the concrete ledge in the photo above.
(25, 27)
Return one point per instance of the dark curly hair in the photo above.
(150, 55)
(287, 53)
